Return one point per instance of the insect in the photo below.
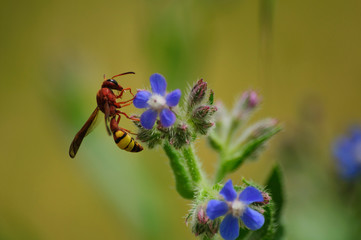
(107, 103)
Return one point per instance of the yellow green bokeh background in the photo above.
(303, 57)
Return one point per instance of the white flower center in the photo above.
(157, 102)
(238, 208)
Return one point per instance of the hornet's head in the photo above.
(112, 84)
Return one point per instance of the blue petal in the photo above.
(228, 191)
(355, 134)
(167, 117)
(348, 165)
(252, 219)
(147, 119)
(229, 228)
(173, 98)
(158, 84)
(250, 195)
(216, 208)
(141, 99)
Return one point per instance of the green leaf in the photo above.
(248, 149)
(279, 233)
(275, 188)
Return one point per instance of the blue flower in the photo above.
(157, 103)
(347, 151)
(235, 208)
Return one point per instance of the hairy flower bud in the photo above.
(202, 118)
(246, 104)
(204, 111)
(266, 199)
(197, 93)
(149, 136)
(202, 216)
(180, 136)
(264, 127)
(202, 225)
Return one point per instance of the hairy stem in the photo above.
(184, 184)
(193, 165)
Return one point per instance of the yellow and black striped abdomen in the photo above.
(126, 142)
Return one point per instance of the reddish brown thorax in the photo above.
(106, 96)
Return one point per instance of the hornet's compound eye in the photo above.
(113, 81)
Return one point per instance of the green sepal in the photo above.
(151, 137)
(211, 97)
(183, 180)
(274, 186)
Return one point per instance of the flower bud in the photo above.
(266, 199)
(149, 136)
(264, 127)
(204, 111)
(202, 216)
(251, 99)
(202, 118)
(180, 136)
(247, 102)
(202, 225)
(197, 93)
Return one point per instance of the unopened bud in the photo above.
(264, 126)
(202, 216)
(197, 93)
(204, 111)
(266, 199)
(247, 102)
(251, 98)
(202, 225)
(180, 136)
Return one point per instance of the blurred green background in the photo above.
(303, 57)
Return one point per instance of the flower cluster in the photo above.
(347, 151)
(235, 208)
(216, 209)
(175, 124)
(201, 113)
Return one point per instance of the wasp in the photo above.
(107, 103)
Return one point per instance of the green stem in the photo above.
(231, 130)
(221, 173)
(193, 165)
(183, 180)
